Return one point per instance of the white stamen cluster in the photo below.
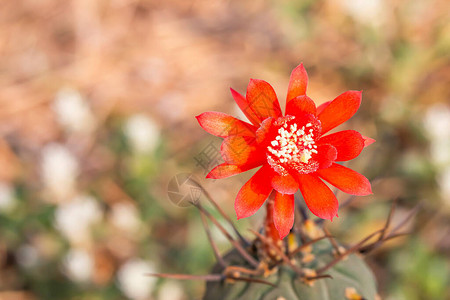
(292, 146)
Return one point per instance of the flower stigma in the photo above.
(293, 147)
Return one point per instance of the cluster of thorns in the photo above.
(263, 255)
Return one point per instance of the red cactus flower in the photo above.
(293, 150)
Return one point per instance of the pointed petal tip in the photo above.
(368, 141)
(282, 235)
(366, 190)
(299, 66)
(243, 214)
(298, 82)
(336, 216)
(235, 93)
(347, 180)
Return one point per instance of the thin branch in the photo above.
(392, 234)
(389, 219)
(222, 213)
(255, 272)
(304, 245)
(211, 242)
(347, 252)
(248, 279)
(332, 241)
(318, 277)
(208, 277)
(238, 246)
(407, 218)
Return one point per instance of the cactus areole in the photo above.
(350, 279)
(294, 151)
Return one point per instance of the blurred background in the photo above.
(97, 106)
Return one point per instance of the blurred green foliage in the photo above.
(165, 62)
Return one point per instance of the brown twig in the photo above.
(208, 277)
(389, 219)
(211, 242)
(248, 279)
(253, 272)
(222, 213)
(304, 245)
(408, 217)
(332, 241)
(348, 251)
(318, 277)
(238, 247)
(393, 233)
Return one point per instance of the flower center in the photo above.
(293, 147)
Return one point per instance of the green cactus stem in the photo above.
(350, 278)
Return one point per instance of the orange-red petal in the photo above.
(340, 110)
(284, 184)
(253, 193)
(348, 143)
(318, 197)
(326, 155)
(346, 180)
(283, 214)
(240, 150)
(368, 141)
(243, 105)
(263, 130)
(322, 106)
(262, 100)
(301, 105)
(297, 83)
(225, 170)
(223, 125)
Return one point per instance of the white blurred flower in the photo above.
(437, 120)
(437, 125)
(444, 184)
(73, 111)
(7, 199)
(171, 290)
(78, 265)
(133, 279)
(142, 133)
(27, 256)
(365, 11)
(75, 218)
(59, 170)
(126, 217)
